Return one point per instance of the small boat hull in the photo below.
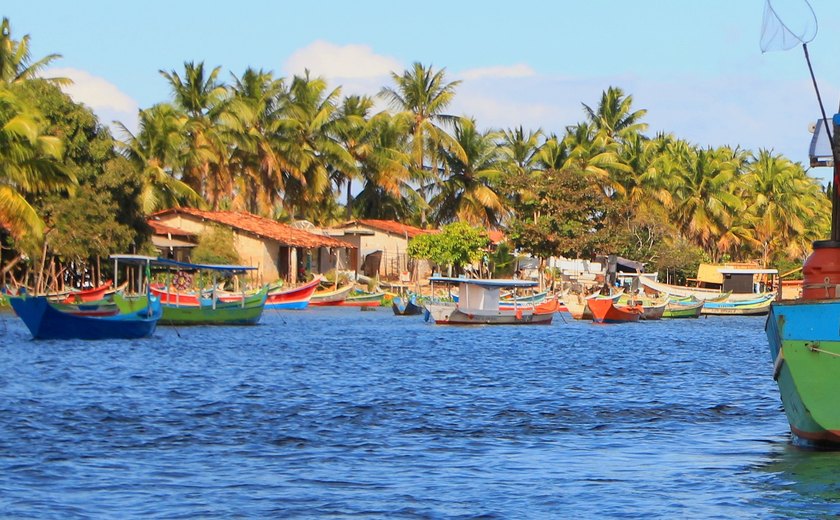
(757, 307)
(805, 348)
(604, 310)
(405, 307)
(292, 299)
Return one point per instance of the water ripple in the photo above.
(332, 412)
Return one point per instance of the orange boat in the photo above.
(604, 310)
(88, 295)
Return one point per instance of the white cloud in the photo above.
(106, 100)
(336, 61)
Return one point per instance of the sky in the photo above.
(695, 65)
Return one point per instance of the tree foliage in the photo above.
(216, 246)
(458, 244)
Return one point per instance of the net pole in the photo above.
(835, 207)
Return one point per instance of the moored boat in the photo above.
(292, 298)
(406, 306)
(358, 298)
(755, 307)
(606, 310)
(47, 319)
(331, 297)
(689, 308)
(478, 304)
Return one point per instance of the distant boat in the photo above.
(357, 298)
(88, 295)
(606, 310)
(329, 297)
(293, 298)
(406, 306)
(696, 292)
(755, 307)
(689, 308)
(652, 309)
(479, 304)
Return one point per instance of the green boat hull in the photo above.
(248, 312)
(689, 312)
(805, 347)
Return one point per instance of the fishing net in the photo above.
(786, 24)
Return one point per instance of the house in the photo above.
(279, 251)
(380, 247)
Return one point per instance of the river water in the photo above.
(342, 413)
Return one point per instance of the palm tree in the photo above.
(784, 202)
(467, 191)
(703, 200)
(156, 151)
(520, 156)
(311, 146)
(613, 115)
(202, 99)
(386, 191)
(30, 163)
(16, 65)
(424, 95)
(253, 118)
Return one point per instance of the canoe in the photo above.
(754, 307)
(406, 306)
(652, 309)
(46, 320)
(697, 292)
(605, 310)
(683, 309)
(330, 297)
(293, 298)
(362, 299)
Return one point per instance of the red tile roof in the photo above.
(162, 229)
(389, 226)
(263, 227)
(496, 236)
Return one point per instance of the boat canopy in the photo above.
(484, 282)
(184, 266)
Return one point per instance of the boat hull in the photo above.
(604, 310)
(405, 307)
(247, 312)
(292, 299)
(444, 314)
(46, 321)
(729, 308)
(805, 348)
(676, 310)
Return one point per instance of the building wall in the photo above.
(394, 257)
(252, 250)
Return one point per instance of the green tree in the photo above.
(215, 246)
(457, 245)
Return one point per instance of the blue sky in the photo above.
(695, 65)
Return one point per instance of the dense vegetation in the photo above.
(286, 148)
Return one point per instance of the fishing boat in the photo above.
(755, 307)
(606, 310)
(698, 293)
(330, 297)
(292, 298)
(479, 303)
(47, 319)
(803, 334)
(685, 308)
(206, 307)
(359, 298)
(577, 307)
(652, 308)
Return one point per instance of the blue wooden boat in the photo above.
(46, 320)
(406, 306)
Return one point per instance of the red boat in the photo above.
(604, 310)
(294, 298)
(88, 295)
